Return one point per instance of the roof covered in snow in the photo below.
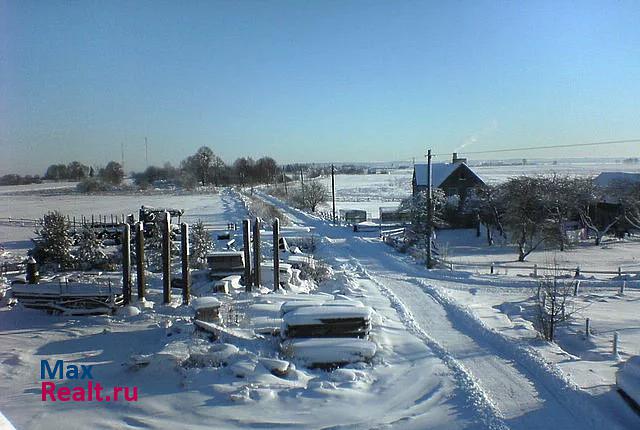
(606, 179)
(205, 303)
(317, 314)
(439, 172)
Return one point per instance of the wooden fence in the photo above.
(395, 238)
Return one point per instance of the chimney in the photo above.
(455, 159)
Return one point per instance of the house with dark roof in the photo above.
(608, 179)
(455, 178)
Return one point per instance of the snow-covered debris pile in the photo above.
(628, 379)
(323, 352)
(327, 321)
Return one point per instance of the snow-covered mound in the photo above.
(628, 378)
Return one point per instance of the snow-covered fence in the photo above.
(20, 222)
(619, 273)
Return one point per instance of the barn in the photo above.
(455, 178)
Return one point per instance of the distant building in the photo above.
(394, 214)
(455, 178)
(609, 209)
(608, 179)
(353, 216)
(377, 171)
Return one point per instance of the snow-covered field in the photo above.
(370, 192)
(455, 349)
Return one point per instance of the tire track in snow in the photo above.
(469, 374)
(548, 377)
(478, 400)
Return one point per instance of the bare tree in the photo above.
(491, 209)
(313, 194)
(524, 215)
(627, 193)
(204, 165)
(112, 173)
(552, 304)
(587, 195)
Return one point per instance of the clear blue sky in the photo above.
(313, 80)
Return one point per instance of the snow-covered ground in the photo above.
(370, 192)
(455, 349)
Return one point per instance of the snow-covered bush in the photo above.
(93, 185)
(265, 211)
(317, 272)
(91, 250)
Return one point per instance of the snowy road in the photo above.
(506, 388)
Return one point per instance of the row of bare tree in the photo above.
(531, 211)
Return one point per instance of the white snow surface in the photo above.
(454, 350)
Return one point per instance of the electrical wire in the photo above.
(529, 148)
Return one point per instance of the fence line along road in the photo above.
(393, 234)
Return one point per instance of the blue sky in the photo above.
(313, 80)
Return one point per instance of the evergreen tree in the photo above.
(90, 250)
(201, 244)
(54, 243)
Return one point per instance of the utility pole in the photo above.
(122, 154)
(126, 264)
(146, 151)
(284, 180)
(257, 257)
(246, 244)
(276, 254)
(429, 213)
(333, 192)
(186, 276)
(166, 258)
(302, 180)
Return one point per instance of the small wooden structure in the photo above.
(324, 320)
(71, 298)
(207, 309)
(225, 263)
(353, 216)
(394, 215)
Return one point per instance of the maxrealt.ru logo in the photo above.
(89, 392)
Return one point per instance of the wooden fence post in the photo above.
(256, 253)
(166, 258)
(587, 327)
(246, 242)
(126, 264)
(276, 254)
(186, 277)
(140, 260)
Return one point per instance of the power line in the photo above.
(529, 148)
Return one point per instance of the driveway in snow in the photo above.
(512, 391)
